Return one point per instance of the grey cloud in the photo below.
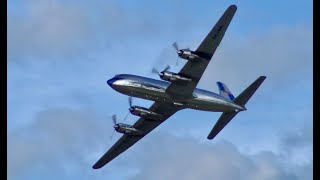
(299, 136)
(64, 142)
(186, 158)
(57, 138)
(46, 30)
(297, 143)
(56, 30)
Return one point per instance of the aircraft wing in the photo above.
(144, 125)
(195, 69)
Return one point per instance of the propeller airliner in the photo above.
(177, 91)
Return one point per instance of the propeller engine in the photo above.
(143, 112)
(114, 120)
(186, 54)
(172, 77)
(124, 128)
(160, 73)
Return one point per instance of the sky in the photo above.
(61, 53)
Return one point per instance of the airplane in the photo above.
(177, 91)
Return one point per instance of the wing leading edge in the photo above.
(195, 69)
(144, 125)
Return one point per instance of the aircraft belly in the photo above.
(213, 105)
(145, 93)
(202, 100)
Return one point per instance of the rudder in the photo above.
(224, 91)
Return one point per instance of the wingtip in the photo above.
(263, 77)
(95, 167)
(210, 137)
(233, 6)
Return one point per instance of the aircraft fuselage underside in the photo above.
(152, 89)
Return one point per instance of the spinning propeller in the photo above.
(116, 125)
(179, 51)
(154, 70)
(114, 118)
(175, 46)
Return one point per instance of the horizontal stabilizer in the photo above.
(224, 119)
(241, 100)
(244, 97)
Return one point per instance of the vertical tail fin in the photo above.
(224, 91)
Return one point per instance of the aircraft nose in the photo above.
(111, 81)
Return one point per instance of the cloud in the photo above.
(186, 158)
(299, 136)
(46, 29)
(57, 140)
(67, 30)
(280, 54)
(297, 143)
(64, 142)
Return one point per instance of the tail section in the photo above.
(241, 100)
(224, 91)
(244, 97)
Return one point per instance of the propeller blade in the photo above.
(130, 101)
(154, 70)
(125, 118)
(175, 46)
(112, 134)
(167, 68)
(177, 61)
(114, 119)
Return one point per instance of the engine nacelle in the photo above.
(188, 55)
(126, 129)
(144, 113)
(173, 77)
